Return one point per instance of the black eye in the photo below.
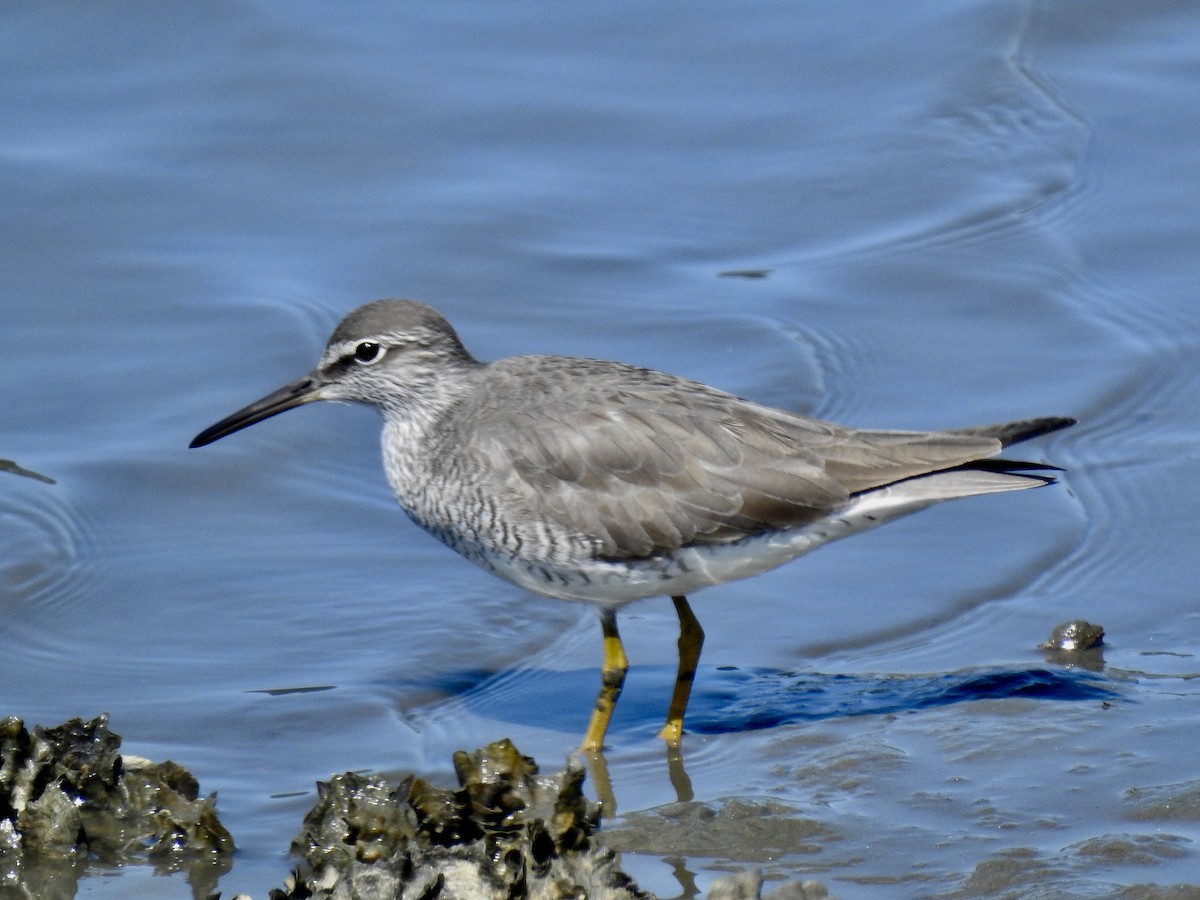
(368, 352)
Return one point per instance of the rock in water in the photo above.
(68, 798)
(506, 831)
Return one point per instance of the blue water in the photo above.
(962, 212)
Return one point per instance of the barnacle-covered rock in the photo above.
(506, 831)
(67, 798)
(1076, 644)
(1078, 634)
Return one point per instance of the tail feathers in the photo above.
(1011, 465)
(1021, 430)
(981, 476)
(912, 494)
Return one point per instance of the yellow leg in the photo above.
(612, 680)
(691, 639)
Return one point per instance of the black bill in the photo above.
(306, 390)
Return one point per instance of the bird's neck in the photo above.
(418, 405)
(413, 425)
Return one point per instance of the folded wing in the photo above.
(642, 462)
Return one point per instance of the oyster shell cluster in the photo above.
(68, 798)
(506, 831)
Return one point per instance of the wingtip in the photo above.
(1020, 430)
(1038, 427)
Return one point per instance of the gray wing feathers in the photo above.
(641, 462)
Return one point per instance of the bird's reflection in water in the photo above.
(597, 768)
(679, 776)
(685, 876)
(7, 465)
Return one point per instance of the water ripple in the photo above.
(47, 559)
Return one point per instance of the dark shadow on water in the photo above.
(736, 700)
(730, 700)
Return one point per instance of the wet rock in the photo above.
(68, 798)
(1078, 634)
(506, 831)
(1078, 643)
